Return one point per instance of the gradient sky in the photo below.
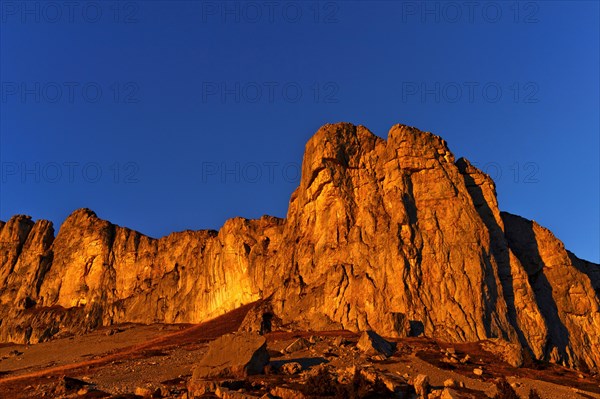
(134, 109)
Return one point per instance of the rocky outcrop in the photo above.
(387, 235)
(387, 229)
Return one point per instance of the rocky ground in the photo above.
(158, 361)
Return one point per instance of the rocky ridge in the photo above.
(389, 235)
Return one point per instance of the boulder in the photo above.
(287, 393)
(449, 393)
(291, 368)
(233, 355)
(511, 353)
(297, 345)
(373, 344)
(68, 385)
(421, 384)
(339, 341)
(226, 393)
(143, 392)
(391, 381)
(435, 394)
(450, 383)
(199, 387)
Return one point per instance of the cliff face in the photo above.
(392, 235)
(95, 273)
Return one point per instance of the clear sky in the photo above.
(171, 115)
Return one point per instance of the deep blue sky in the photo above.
(168, 116)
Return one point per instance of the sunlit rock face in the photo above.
(391, 235)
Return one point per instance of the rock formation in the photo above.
(387, 235)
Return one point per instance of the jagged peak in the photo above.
(401, 131)
(334, 129)
(80, 218)
(19, 218)
(409, 140)
(341, 133)
(18, 224)
(83, 212)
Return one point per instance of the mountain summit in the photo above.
(389, 235)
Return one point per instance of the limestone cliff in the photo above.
(392, 235)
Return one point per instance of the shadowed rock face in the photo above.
(390, 235)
